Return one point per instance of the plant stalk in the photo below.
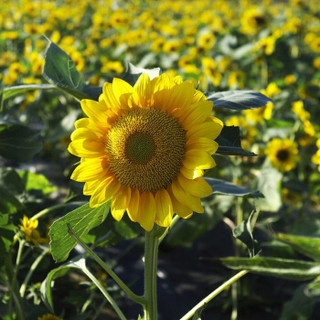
(150, 275)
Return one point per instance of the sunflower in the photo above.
(49, 316)
(283, 154)
(145, 148)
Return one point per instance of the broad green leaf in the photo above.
(13, 91)
(243, 232)
(228, 188)
(19, 143)
(34, 181)
(133, 73)
(7, 231)
(238, 99)
(11, 190)
(308, 246)
(81, 220)
(60, 70)
(268, 183)
(229, 142)
(276, 267)
(47, 284)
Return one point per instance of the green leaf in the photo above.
(34, 181)
(228, 188)
(60, 70)
(243, 232)
(276, 267)
(47, 284)
(13, 91)
(309, 246)
(238, 99)
(229, 142)
(11, 190)
(19, 143)
(133, 73)
(81, 220)
(7, 231)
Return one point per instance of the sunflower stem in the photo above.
(106, 268)
(150, 274)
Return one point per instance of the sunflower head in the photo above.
(283, 154)
(145, 148)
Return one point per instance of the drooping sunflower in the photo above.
(146, 148)
(283, 154)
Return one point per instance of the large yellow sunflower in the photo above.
(283, 154)
(146, 147)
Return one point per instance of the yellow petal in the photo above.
(179, 208)
(122, 90)
(86, 148)
(105, 190)
(143, 91)
(120, 201)
(197, 187)
(133, 207)
(191, 173)
(187, 199)
(147, 211)
(209, 129)
(164, 208)
(90, 169)
(202, 143)
(110, 99)
(199, 112)
(94, 110)
(197, 159)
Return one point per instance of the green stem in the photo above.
(132, 295)
(150, 275)
(214, 293)
(31, 270)
(47, 210)
(104, 292)
(12, 285)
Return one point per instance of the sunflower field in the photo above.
(159, 160)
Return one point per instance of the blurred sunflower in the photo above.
(146, 148)
(49, 316)
(283, 154)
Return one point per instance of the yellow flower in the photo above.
(316, 157)
(282, 153)
(115, 66)
(29, 227)
(253, 20)
(290, 79)
(258, 115)
(49, 316)
(297, 108)
(146, 148)
(316, 63)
